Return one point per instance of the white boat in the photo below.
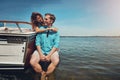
(14, 41)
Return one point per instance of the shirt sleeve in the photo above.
(37, 41)
(57, 40)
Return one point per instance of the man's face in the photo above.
(47, 20)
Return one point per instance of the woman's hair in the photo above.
(34, 19)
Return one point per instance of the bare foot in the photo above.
(43, 76)
(46, 78)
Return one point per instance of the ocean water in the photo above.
(89, 58)
(84, 58)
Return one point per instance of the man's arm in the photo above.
(38, 41)
(55, 47)
(52, 51)
(42, 57)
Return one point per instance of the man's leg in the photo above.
(54, 63)
(35, 62)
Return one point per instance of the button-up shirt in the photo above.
(47, 43)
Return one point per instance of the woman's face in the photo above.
(39, 18)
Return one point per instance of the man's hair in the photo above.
(52, 16)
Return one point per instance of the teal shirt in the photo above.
(47, 43)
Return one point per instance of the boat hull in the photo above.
(14, 49)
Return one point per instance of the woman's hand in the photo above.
(52, 29)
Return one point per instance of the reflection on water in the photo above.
(22, 75)
(89, 58)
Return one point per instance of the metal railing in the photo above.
(16, 22)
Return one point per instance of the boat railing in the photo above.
(15, 22)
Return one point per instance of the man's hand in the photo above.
(42, 57)
(47, 58)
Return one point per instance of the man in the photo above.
(47, 44)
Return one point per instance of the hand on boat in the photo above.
(5, 29)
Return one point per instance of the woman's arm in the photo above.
(38, 30)
(53, 29)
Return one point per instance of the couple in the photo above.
(47, 43)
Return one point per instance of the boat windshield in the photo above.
(15, 27)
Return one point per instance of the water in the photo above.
(87, 58)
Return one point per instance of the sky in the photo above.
(73, 17)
